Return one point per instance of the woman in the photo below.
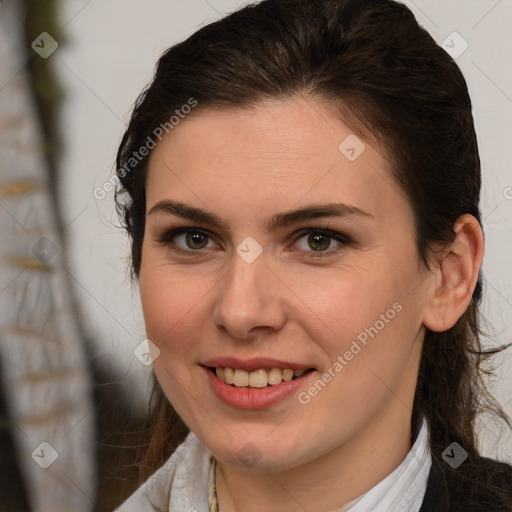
(301, 183)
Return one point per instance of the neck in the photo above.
(328, 482)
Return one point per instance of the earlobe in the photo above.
(455, 276)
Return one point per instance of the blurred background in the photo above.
(74, 384)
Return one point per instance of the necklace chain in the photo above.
(213, 505)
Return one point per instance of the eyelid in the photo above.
(324, 231)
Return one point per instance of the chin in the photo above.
(255, 450)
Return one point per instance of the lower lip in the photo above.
(255, 398)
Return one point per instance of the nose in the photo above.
(249, 303)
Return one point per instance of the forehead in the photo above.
(268, 158)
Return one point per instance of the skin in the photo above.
(245, 166)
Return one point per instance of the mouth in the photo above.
(257, 379)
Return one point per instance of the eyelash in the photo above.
(166, 238)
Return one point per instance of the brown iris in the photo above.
(319, 238)
(195, 237)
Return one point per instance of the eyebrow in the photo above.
(279, 220)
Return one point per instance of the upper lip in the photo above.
(250, 365)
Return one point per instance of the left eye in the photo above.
(320, 239)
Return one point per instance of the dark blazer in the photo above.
(467, 488)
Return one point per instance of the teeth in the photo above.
(229, 375)
(287, 374)
(275, 376)
(241, 378)
(257, 379)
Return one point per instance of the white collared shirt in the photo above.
(403, 490)
(181, 484)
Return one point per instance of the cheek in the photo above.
(369, 319)
(171, 304)
(343, 305)
(368, 357)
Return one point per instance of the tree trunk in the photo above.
(45, 378)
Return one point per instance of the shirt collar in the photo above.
(186, 472)
(402, 490)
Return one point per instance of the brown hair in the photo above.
(386, 77)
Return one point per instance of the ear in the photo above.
(455, 276)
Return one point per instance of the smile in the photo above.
(256, 388)
(260, 378)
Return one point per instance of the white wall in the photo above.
(109, 56)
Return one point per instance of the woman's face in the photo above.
(256, 288)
